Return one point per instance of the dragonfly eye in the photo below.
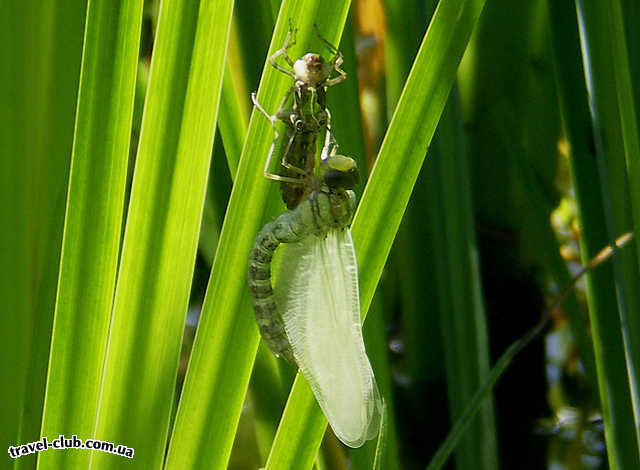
(342, 180)
(340, 172)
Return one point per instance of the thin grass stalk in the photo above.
(460, 298)
(160, 242)
(510, 354)
(627, 108)
(36, 131)
(630, 323)
(538, 209)
(58, 53)
(269, 380)
(270, 383)
(43, 52)
(614, 123)
(609, 353)
(90, 250)
(409, 260)
(16, 276)
(233, 120)
(253, 27)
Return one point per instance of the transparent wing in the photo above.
(317, 294)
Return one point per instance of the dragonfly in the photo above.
(307, 117)
(312, 315)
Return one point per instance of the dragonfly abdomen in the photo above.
(315, 215)
(264, 304)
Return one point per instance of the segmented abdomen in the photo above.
(264, 304)
(317, 214)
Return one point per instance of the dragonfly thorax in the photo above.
(329, 210)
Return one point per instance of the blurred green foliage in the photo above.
(530, 174)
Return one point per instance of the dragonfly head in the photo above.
(340, 173)
(311, 69)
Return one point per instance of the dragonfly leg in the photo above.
(286, 164)
(292, 119)
(272, 118)
(313, 100)
(280, 114)
(289, 41)
(293, 168)
(333, 49)
(274, 177)
(283, 179)
(330, 147)
(335, 63)
(317, 110)
(328, 122)
(287, 116)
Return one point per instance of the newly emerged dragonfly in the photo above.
(307, 117)
(312, 315)
(329, 204)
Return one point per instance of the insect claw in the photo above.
(293, 30)
(330, 46)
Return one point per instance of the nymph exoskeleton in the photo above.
(312, 313)
(306, 118)
(311, 75)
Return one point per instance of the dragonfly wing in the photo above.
(317, 294)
